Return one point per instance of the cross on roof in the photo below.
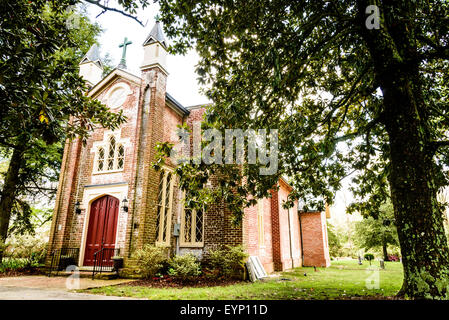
(125, 43)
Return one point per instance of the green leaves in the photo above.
(373, 232)
(303, 67)
(42, 97)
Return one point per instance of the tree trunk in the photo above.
(411, 175)
(384, 250)
(425, 254)
(8, 194)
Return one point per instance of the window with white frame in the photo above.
(100, 161)
(260, 223)
(164, 207)
(110, 157)
(192, 226)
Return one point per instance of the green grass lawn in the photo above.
(343, 280)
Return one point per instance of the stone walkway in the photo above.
(53, 288)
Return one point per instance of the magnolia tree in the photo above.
(353, 87)
(42, 97)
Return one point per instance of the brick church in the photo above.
(109, 196)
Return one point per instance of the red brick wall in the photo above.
(288, 232)
(278, 252)
(251, 234)
(316, 251)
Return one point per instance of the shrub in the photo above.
(369, 256)
(227, 261)
(9, 264)
(150, 260)
(184, 267)
(393, 257)
(3, 247)
(31, 251)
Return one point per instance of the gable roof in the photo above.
(156, 35)
(116, 73)
(120, 73)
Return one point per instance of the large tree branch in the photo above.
(106, 8)
(5, 143)
(433, 146)
(438, 52)
(357, 133)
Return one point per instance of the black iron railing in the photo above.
(62, 258)
(103, 261)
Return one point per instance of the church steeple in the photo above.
(92, 55)
(156, 35)
(91, 67)
(155, 49)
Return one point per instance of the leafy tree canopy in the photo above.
(43, 99)
(377, 233)
(303, 67)
(334, 241)
(348, 98)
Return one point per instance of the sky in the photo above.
(181, 82)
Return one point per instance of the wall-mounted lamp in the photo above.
(77, 207)
(125, 205)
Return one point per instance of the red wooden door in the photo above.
(102, 227)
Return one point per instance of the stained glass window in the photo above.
(111, 153)
(192, 227)
(120, 157)
(110, 157)
(100, 164)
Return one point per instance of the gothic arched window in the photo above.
(164, 207)
(192, 227)
(111, 153)
(120, 156)
(110, 157)
(100, 164)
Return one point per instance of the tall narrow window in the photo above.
(199, 226)
(111, 153)
(120, 157)
(100, 163)
(192, 227)
(160, 208)
(164, 208)
(260, 223)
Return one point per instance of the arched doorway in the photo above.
(102, 227)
